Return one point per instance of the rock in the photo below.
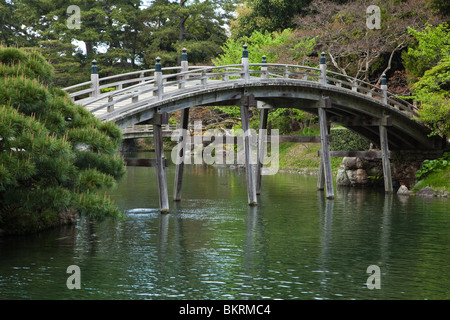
(349, 163)
(359, 163)
(357, 177)
(403, 190)
(342, 178)
(351, 175)
(426, 192)
(361, 176)
(442, 194)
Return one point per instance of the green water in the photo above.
(212, 245)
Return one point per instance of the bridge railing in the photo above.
(88, 89)
(138, 88)
(285, 71)
(147, 128)
(171, 84)
(371, 90)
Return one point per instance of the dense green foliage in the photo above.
(272, 45)
(431, 46)
(122, 35)
(344, 139)
(438, 181)
(266, 15)
(197, 25)
(428, 64)
(434, 166)
(432, 92)
(54, 154)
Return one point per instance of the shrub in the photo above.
(433, 166)
(346, 140)
(54, 154)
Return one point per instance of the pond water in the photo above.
(294, 245)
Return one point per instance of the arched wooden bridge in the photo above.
(147, 96)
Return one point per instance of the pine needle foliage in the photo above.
(54, 155)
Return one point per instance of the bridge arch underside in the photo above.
(358, 112)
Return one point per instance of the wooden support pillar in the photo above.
(261, 144)
(249, 168)
(181, 150)
(180, 153)
(325, 162)
(321, 178)
(384, 146)
(160, 160)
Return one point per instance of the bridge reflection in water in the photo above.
(147, 96)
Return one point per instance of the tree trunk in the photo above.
(183, 19)
(182, 30)
(89, 48)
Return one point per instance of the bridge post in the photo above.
(384, 88)
(184, 68)
(94, 79)
(384, 146)
(181, 147)
(321, 177)
(323, 69)
(261, 137)
(158, 121)
(110, 108)
(264, 69)
(261, 145)
(249, 168)
(158, 79)
(325, 161)
(245, 64)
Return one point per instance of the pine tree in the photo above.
(54, 155)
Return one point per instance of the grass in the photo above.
(302, 156)
(436, 181)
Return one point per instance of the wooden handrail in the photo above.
(204, 76)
